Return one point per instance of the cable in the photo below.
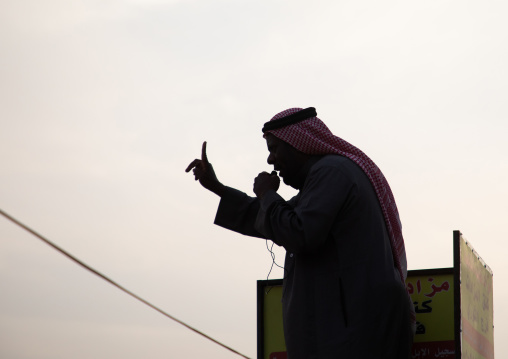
(84, 265)
(270, 249)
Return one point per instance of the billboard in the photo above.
(476, 302)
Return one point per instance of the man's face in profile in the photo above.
(285, 159)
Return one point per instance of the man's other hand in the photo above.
(265, 182)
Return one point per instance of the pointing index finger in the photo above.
(203, 153)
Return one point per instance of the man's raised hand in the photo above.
(204, 173)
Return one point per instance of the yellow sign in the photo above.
(432, 293)
(274, 344)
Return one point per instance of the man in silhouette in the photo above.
(344, 294)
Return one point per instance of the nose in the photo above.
(270, 159)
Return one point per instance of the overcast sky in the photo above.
(104, 103)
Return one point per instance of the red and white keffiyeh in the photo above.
(311, 136)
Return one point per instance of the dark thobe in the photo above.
(342, 296)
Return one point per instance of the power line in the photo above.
(94, 271)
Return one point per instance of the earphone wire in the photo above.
(272, 254)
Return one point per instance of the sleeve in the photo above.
(237, 211)
(306, 226)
